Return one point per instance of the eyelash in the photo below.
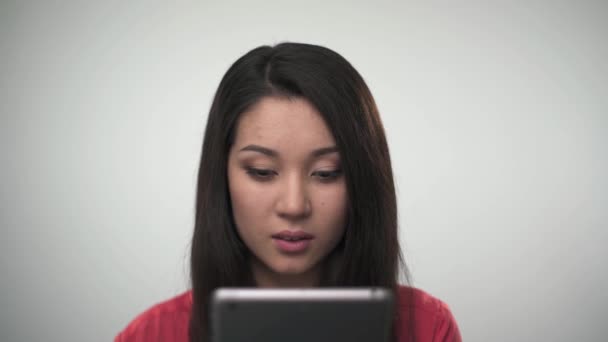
(261, 174)
(265, 175)
(328, 175)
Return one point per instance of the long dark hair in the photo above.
(369, 253)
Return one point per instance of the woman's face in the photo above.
(287, 190)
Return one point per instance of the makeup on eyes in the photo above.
(264, 173)
(325, 166)
(328, 173)
(260, 173)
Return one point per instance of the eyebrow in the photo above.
(272, 153)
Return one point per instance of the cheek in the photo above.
(332, 210)
(248, 201)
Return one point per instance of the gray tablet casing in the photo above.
(301, 315)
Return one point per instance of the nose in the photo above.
(294, 202)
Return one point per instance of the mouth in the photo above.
(290, 235)
(289, 241)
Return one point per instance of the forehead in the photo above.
(283, 124)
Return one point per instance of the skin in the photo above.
(277, 182)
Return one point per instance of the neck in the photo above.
(266, 278)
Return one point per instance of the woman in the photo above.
(295, 189)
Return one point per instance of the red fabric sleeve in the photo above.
(446, 329)
(433, 320)
(164, 322)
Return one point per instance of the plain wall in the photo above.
(496, 114)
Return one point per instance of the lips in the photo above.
(290, 235)
(292, 241)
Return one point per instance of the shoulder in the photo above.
(428, 316)
(164, 321)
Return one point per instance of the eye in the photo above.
(327, 176)
(260, 174)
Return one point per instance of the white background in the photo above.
(496, 114)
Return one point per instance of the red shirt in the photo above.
(168, 321)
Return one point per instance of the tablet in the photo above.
(301, 315)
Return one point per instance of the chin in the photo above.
(290, 267)
(290, 270)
